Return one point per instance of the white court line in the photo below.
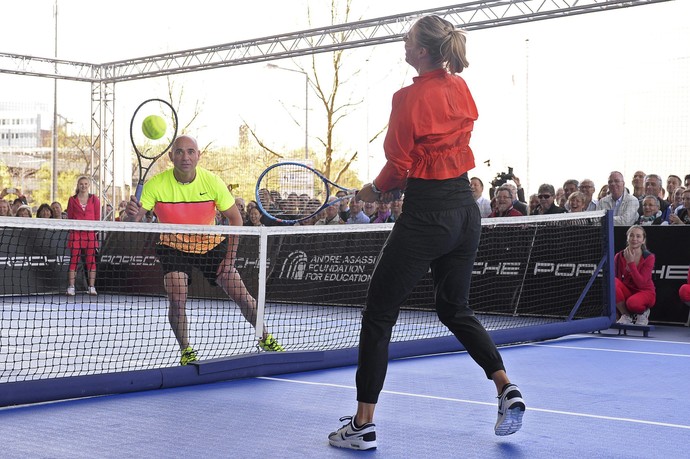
(474, 402)
(609, 350)
(626, 338)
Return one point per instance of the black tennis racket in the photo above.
(148, 139)
(291, 192)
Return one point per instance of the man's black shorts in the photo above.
(173, 260)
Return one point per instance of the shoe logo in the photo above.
(201, 194)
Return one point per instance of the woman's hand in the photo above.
(675, 220)
(632, 255)
(367, 194)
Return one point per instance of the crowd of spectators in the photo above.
(347, 211)
(19, 207)
(648, 200)
(649, 203)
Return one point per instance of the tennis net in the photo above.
(534, 278)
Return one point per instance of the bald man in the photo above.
(188, 194)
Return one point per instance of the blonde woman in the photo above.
(635, 290)
(428, 154)
(83, 206)
(576, 202)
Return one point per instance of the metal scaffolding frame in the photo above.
(469, 16)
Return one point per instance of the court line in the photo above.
(663, 354)
(628, 338)
(474, 402)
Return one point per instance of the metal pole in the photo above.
(306, 116)
(54, 177)
(527, 139)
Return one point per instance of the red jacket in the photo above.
(429, 131)
(638, 278)
(512, 212)
(83, 239)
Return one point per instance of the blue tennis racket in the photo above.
(291, 192)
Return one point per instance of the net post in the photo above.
(609, 268)
(600, 269)
(261, 294)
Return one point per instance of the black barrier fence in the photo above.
(509, 277)
(33, 261)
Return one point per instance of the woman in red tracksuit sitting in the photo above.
(635, 290)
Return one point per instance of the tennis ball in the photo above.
(153, 127)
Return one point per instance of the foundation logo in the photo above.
(298, 266)
(294, 266)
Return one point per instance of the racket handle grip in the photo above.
(137, 193)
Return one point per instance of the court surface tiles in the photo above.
(589, 395)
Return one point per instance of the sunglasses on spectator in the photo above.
(544, 196)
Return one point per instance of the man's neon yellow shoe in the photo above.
(270, 344)
(188, 356)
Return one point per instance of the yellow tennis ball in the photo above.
(153, 127)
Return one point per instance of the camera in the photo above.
(501, 178)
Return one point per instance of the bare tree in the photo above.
(328, 82)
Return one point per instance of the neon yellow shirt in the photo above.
(193, 203)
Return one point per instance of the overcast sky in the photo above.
(563, 98)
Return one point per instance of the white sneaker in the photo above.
(625, 320)
(349, 436)
(92, 291)
(511, 407)
(70, 291)
(643, 319)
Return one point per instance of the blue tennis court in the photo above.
(600, 395)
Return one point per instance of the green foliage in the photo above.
(67, 183)
(5, 176)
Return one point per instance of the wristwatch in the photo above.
(374, 189)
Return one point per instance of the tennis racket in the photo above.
(302, 192)
(149, 150)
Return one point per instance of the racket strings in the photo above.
(147, 148)
(292, 192)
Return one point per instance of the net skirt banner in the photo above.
(517, 270)
(33, 261)
(514, 274)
